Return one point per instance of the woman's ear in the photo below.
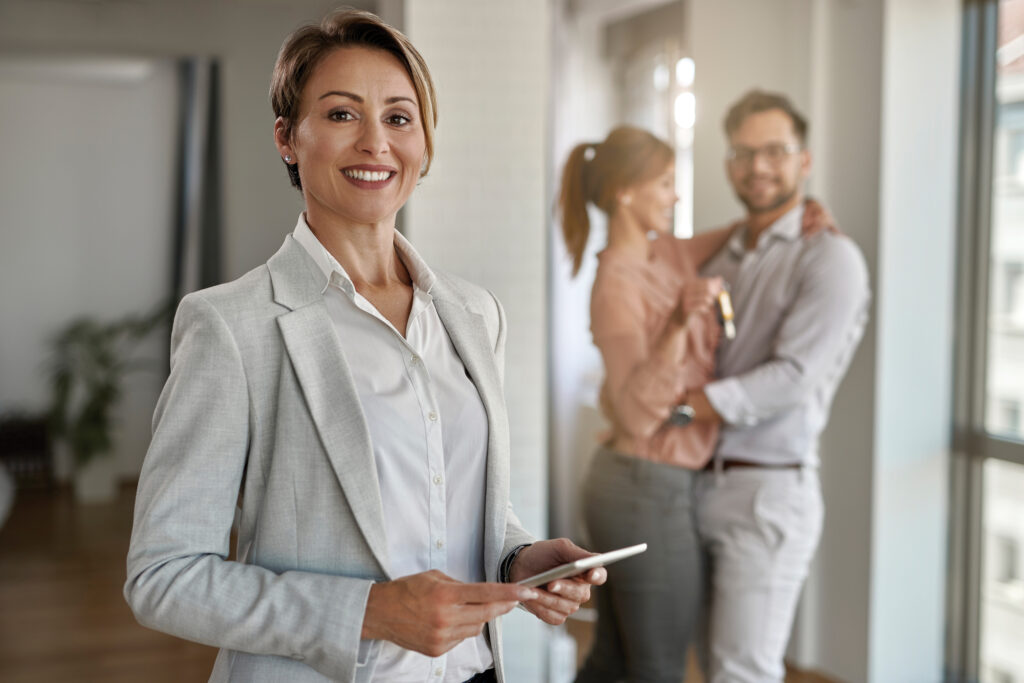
(282, 140)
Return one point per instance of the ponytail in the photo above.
(627, 156)
(572, 202)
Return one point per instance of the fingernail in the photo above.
(528, 595)
(557, 588)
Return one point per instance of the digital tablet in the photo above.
(580, 566)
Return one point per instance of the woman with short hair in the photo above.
(348, 399)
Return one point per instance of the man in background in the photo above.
(800, 310)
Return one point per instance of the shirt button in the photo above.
(440, 544)
(438, 672)
(432, 416)
(437, 479)
(414, 360)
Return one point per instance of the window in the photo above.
(986, 604)
(655, 86)
(1004, 562)
(1009, 411)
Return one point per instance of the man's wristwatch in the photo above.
(682, 415)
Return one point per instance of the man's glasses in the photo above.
(774, 154)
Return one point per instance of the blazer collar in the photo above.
(293, 276)
(326, 381)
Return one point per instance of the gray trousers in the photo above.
(760, 528)
(647, 611)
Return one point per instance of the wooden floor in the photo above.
(62, 615)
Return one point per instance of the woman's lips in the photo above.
(369, 177)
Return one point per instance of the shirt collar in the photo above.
(787, 228)
(334, 273)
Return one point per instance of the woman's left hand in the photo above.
(561, 597)
(818, 219)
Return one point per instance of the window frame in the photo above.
(973, 445)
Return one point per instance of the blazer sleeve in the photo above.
(179, 578)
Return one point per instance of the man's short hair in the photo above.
(757, 101)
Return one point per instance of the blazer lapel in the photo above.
(468, 333)
(329, 389)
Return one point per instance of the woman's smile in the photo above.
(369, 177)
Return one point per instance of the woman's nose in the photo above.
(372, 138)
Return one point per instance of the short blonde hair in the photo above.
(307, 46)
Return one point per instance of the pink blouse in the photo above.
(630, 307)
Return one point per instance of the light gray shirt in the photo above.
(801, 306)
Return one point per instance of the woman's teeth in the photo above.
(368, 176)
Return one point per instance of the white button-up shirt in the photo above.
(428, 428)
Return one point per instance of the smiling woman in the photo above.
(357, 141)
(354, 396)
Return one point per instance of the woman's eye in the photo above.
(399, 120)
(340, 116)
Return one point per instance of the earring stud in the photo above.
(287, 158)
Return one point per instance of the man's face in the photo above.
(767, 164)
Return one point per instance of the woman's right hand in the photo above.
(700, 294)
(431, 612)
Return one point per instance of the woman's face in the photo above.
(358, 138)
(652, 202)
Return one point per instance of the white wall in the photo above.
(846, 137)
(86, 223)
(481, 215)
(584, 111)
(913, 409)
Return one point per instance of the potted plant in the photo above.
(87, 368)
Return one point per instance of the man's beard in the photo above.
(776, 203)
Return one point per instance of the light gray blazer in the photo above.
(260, 411)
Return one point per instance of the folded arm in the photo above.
(643, 381)
(815, 340)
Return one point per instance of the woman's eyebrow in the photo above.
(357, 98)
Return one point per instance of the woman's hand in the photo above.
(431, 612)
(699, 294)
(818, 219)
(561, 597)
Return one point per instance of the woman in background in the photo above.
(654, 321)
